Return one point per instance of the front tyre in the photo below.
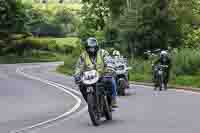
(107, 109)
(95, 118)
(122, 87)
(160, 83)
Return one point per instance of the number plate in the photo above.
(160, 72)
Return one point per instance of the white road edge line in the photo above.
(19, 71)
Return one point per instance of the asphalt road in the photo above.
(32, 99)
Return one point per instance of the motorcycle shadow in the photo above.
(104, 123)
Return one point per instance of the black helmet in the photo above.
(91, 46)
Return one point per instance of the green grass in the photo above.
(192, 81)
(69, 65)
(64, 70)
(140, 77)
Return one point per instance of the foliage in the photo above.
(96, 14)
(70, 62)
(33, 56)
(149, 25)
(45, 23)
(65, 17)
(87, 26)
(59, 45)
(186, 62)
(192, 39)
(12, 20)
(29, 18)
(143, 24)
(187, 14)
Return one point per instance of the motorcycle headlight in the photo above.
(121, 67)
(160, 72)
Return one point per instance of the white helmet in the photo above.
(163, 53)
(116, 53)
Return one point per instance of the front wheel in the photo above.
(107, 109)
(122, 87)
(165, 86)
(160, 83)
(92, 109)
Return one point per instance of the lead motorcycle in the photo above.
(98, 96)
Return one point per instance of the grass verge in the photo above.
(64, 70)
(192, 81)
(185, 70)
(186, 81)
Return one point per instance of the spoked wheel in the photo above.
(122, 87)
(160, 86)
(95, 118)
(160, 82)
(165, 86)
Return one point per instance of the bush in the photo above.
(192, 39)
(141, 70)
(186, 62)
(59, 45)
(185, 68)
(69, 63)
(100, 35)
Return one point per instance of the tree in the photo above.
(148, 25)
(97, 10)
(7, 17)
(66, 18)
(103, 10)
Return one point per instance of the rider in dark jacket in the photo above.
(164, 60)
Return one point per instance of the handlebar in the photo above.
(166, 66)
(112, 69)
(151, 51)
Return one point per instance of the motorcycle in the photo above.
(121, 69)
(98, 96)
(160, 75)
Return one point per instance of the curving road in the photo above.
(35, 99)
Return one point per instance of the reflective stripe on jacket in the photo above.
(98, 65)
(85, 63)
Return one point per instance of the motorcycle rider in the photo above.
(164, 59)
(93, 57)
(116, 54)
